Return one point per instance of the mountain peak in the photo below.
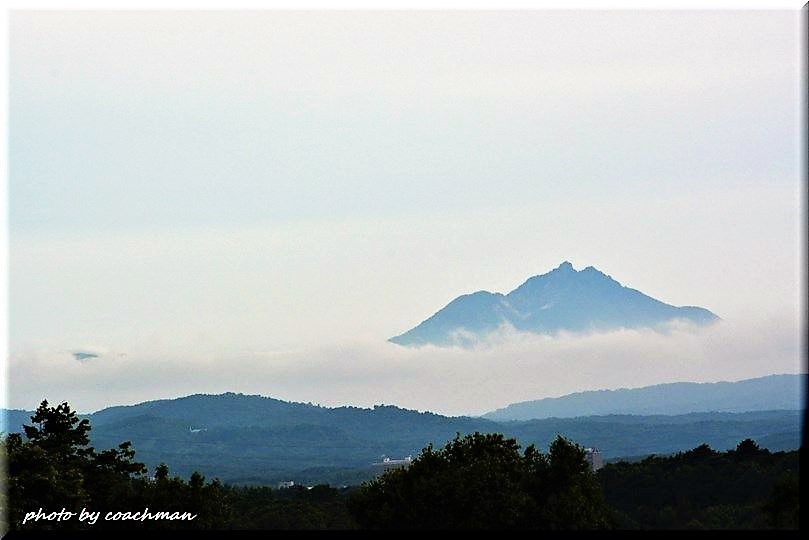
(564, 299)
(566, 266)
(592, 271)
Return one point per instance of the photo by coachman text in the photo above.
(92, 517)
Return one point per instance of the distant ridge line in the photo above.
(771, 392)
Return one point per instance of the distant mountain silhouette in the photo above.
(773, 392)
(564, 299)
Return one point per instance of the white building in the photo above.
(388, 463)
(593, 457)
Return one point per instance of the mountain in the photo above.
(562, 299)
(253, 439)
(11, 420)
(772, 392)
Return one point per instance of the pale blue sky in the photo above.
(136, 120)
(217, 184)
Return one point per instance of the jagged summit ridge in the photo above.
(563, 299)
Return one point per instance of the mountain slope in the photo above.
(562, 299)
(764, 393)
(238, 437)
(253, 439)
(11, 420)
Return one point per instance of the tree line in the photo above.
(477, 481)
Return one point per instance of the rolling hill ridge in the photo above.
(254, 439)
(772, 392)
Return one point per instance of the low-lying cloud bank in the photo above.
(508, 367)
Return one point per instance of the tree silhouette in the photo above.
(482, 481)
(55, 468)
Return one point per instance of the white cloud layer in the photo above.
(452, 381)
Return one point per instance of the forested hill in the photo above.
(785, 391)
(254, 439)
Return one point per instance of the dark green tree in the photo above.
(47, 469)
(782, 507)
(571, 493)
(54, 467)
(482, 481)
(58, 430)
(749, 449)
(745, 488)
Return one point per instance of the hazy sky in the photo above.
(256, 201)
